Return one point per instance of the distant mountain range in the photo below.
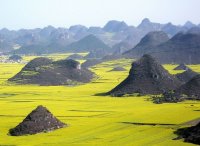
(114, 35)
(86, 44)
(184, 47)
(150, 40)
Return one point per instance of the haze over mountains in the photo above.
(184, 47)
(115, 36)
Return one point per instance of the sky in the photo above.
(17, 14)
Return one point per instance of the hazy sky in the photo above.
(15, 14)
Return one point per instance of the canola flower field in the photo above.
(93, 120)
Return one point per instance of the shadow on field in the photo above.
(149, 124)
(5, 95)
(101, 94)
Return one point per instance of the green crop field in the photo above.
(91, 119)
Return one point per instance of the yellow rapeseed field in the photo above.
(92, 120)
